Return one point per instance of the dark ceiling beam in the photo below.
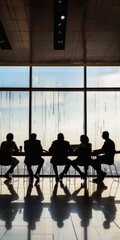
(4, 42)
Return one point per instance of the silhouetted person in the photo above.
(33, 207)
(33, 151)
(105, 155)
(8, 209)
(84, 155)
(105, 205)
(6, 150)
(60, 149)
(83, 206)
(59, 207)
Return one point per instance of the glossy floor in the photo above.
(62, 211)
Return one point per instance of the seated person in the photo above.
(33, 152)
(105, 155)
(7, 148)
(60, 149)
(84, 155)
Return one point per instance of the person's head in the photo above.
(33, 136)
(105, 135)
(8, 224)
(106, 224)
(9, 137)
(85, 222)
(84, 139)
(60, 224)
(32, 225)
(60, 136)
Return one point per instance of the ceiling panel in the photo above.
(92, 32)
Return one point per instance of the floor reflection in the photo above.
(62, 210)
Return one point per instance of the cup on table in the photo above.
(20, 148)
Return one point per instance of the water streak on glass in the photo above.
(65, 118)
(14, 112)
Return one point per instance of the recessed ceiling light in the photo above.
(62, 17)
(60, 41)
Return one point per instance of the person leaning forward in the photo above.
(7, 148)
(60, 149)
(33, 151)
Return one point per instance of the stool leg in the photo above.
(42, 171)
(51, 173)
(110, 167)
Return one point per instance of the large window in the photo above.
(60, 99)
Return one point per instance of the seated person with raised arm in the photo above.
(60, 150)
(105, 155)
(7, 148)
(33, 152)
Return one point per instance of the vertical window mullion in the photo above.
(30, 100)
(85, 101)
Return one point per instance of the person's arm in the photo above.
(70, 149)
(78, 149)
(51, 149)
(15, 148)
(96, 152)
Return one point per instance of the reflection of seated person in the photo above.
(83, 206)
(59, 207)
(84, 155)
(6, 150)
(60, 149)
(105, 205)
(33, 207)
(105, 155)
(8, 209)
(33, 152)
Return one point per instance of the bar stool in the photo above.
(42, 171)
(112, 168)
(17, 168)
(52, 172)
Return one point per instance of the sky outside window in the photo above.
(14, 77)
(64, 77)
(103, 76)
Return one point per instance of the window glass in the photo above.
(103, 114)
(14, 116)
(48, 77)
(54, 112)
(103, 76)
(14, 76)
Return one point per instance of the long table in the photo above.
(47, 154)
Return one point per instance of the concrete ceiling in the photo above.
(92, 32)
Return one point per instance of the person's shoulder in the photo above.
(90, 145)
(26, 141)
(3, 142)
(66, 142)
(110, 140)
(55, 141)
(38, 141)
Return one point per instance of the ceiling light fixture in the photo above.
(60, 18)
